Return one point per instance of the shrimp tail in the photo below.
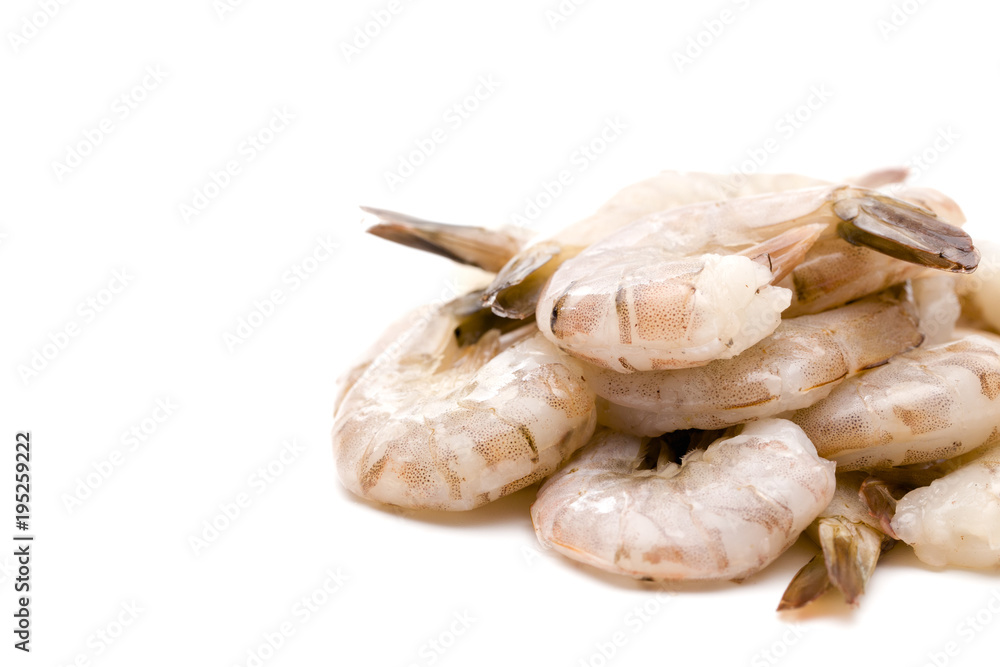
(785, 251)
(515, 290)
(807, 585)
(881, 498)
(473, 320)
(851, 551)
(905, 231)
(488, 249)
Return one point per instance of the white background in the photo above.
(889, 95)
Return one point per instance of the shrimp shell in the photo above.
(851, 540)
(724, 513)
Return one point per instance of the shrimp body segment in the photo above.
(928, 404)
(956, 520)
(692, 284)
(724, 513)
(436, 426)
(796, 366)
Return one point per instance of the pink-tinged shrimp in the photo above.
(724, 513)
(980, 291)
(928, 404)
(834, 273)
(694, 284)
(796, 366)
(432, 424)
(956, 520)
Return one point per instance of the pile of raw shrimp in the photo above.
(701, 371)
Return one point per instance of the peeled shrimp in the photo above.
(830, 276)
(433, 425)
(516, 288)
(980, 291)
(723, 513)
(693, 284)
(931, 403)
(956, 520)
(796, 366)
(938, 307)
(834, 273)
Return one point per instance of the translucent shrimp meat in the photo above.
(796, 366)
(724, 513)
(956, 520)
(980, 291)
(928, 404)
(433, 425)
(694, 284)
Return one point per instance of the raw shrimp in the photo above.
(515, 291)
(797, 365)
(724, 513)
(938, 307)
(834, 273)
(516, 288)
(956, 520)
(434, 425)
(931, 403)
(693, 284)
(980, 292)
(851, 541)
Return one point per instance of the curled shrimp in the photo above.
(834, 273)
(525, 266)
(724, 513)
(695, 283)
(432, 424)
(796, 366)
(956, 520)
(931, 403)
(516, 288)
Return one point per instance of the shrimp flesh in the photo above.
(980, 292)
(796, 366)
(938, 306)
(931, 403)
(435, 425)
(688, 286)
(724, 513)
(956, 520)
